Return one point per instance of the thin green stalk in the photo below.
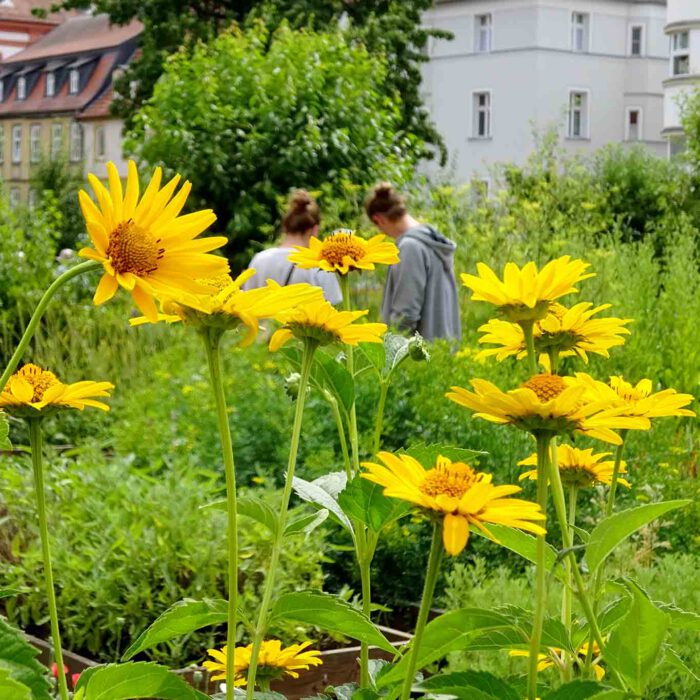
(36, 444)
(39, 312)
(610, 505)
(212, 345)
(554, 359)
(379, 419)
(540, 568)
(528, 332)
(431, 576)
(567, 594)
(352, 418)
(365, 562)
(341, 435)
(261, 627)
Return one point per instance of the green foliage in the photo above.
(20, 672)
(252, 114)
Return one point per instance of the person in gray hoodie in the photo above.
(421, 291)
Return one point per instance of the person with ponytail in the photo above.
(420, 293)
(301, 221)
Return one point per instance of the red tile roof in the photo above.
(99, 109)
(22, 10)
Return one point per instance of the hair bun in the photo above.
(300, 201)
(384, 190)
(302, 212)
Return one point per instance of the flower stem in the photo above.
(610, 505)
(340, 426)
(39, 312)
(543, 441)
(528, 331)
(36, 442)
(212, 345)
(567, 594)
(431, 576)
(261, 627)
(379, 419)
(364, 561)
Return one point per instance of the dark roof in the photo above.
(78, 35)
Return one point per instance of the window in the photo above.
(2, 143)
(578, 115)
(634, 124)
(637, 40)
(50, 84)
(677, 145)
(76, 142)
(482, 38)
(680, 53)
(74, 81)
(21, 88)
(14, 197)
(17, 143)
(56, 139)
(2, 90)
(579, 31)
(33, 199)
(100, 144)
(482, 115)
(35, 143)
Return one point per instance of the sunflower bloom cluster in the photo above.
(580, 468)
(274, 662)
(142, 241)
(343, 252)
(462, 496)
(553, 658)
(32, 391)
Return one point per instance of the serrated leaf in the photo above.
(680, 619)
(673, 658)
(395, 351)
(306, 523)
(452, 631)
(313, 492)
(135, 680)
(427, 454)
(11, 689)
(470, 685)
(635, 644)
(608, 533)
(329, 613)
(585, 690)
(365, 501)
(18, 659)
(182, 618)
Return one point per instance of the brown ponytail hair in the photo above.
(385, 200)
(302, 213)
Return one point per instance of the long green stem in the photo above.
(212, 344)
(261, 627)
(431, 577)
(567, 594)
(528, 331)
(39, 312)
(352, 418)
(540, 569)
(364, 561)
(379, 419)
(610, 505)
(340, 426)
(36, 443)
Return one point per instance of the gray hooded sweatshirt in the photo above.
(421, 291)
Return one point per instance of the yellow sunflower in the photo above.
(228, 306)
(322, 323)
(638, 399)
(463, 496)
(343, 252)
(567, 331)
(526, 294)
(554, 658)
(273, 661)
(547, 403)
(32, 390)
(144, 245)
(579, 467)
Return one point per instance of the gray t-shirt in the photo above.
(272, 264)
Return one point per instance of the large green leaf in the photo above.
(365, 501)
(329, 613)
(635, 644)
(305, 522)
(18, 660)
(11, 689)
(134, 680)
(4, 432)
(427, 454)
(608, 533)
(452, 631)
(182, 618)
(313, 492)
(585, 690)
(470, 685)
(680, 619)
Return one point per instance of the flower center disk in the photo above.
(131, 249)
(39, 379)
(337, 247)
(453, 481)
(545, 386)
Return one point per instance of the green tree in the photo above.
(253, 113)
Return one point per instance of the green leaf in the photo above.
(635, 644)
(329, 613)
(5, 443)
(182, 618)
(18, 659)
(305, 523)
(470, 685)
(395, 351)
(585, 690)
(374, 352)
(608, 533)
(13, 690)
(608, 618)
(365, 501)
(452, 631)
(680, 619)
(427, 454)
(673, 658)
(9, 592)
(250, 507)
(313, 492)
(135, 680)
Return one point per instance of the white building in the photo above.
(592, 68)
(683, 29)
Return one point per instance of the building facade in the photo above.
(55, 97)
(683, 30)
(19, 27)
(593, 69)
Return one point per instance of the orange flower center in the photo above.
(39, 379)
(449, 480)
(131, 249)
(339, 245)
(545, 386)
